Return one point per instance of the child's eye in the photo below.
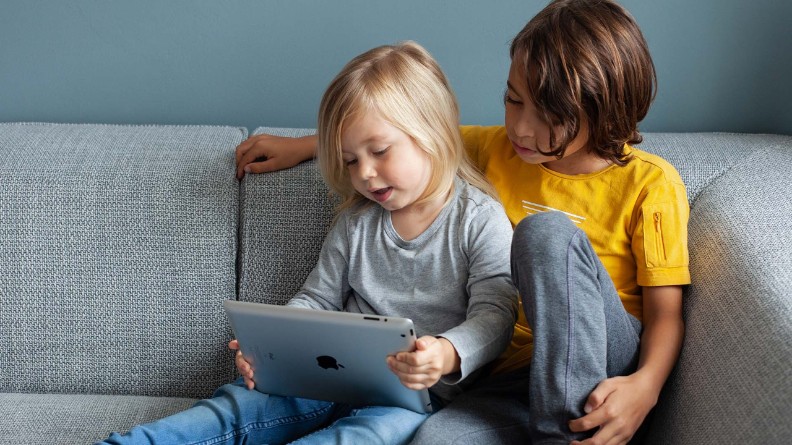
(350, 162)
(509, 100)
(381, 152)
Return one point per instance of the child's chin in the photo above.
(531, 158)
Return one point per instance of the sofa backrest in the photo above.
(117, 248)
(737, 310)
(284, 217)
(118, 245)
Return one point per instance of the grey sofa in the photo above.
(118, 245)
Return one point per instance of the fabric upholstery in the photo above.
(714, 166)
(118, 245)
(284, 218)
(733, 382)
(700, 158)
(117, 248)
(75, 419)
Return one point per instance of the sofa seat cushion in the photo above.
(77, 419)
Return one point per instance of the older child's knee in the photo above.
(543, 233)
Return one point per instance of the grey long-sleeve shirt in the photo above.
(453, 280)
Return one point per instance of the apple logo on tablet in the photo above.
(327, 362)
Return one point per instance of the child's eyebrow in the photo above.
(510, 86)
(375, 138)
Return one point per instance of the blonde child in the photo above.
(391, 149)
(600, 245)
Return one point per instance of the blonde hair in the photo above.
(405, 86)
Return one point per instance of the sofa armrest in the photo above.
(733, 382)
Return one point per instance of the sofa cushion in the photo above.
(117, 248)
(280, 238)
(733, 381)
(51, 419)
(701, 158)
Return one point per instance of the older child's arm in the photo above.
(619, 405)
(275, 152)
(279, 152)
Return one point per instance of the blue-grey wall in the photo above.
(723, 65)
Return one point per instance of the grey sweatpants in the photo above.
(582, 335)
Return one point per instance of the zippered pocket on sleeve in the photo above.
(659, 241)
(658, 232)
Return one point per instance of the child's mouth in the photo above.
(382, 194)
(522, 150)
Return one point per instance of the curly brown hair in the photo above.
(587, 59)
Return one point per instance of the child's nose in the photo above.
(366, 170)
(524, 126)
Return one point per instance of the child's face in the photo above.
(384, 163)
(525, 127)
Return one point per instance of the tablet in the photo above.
(325, 355)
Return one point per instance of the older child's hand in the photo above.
(433, 358)
(264, 153)
(617, 406)
(243, 366)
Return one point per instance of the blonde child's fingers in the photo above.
(248, 375)
(240, 359)
(410, 367)
(419, 381)
(425, 342)
(415, 386)
(428, 375)
(416, 358)
(233, 344)
(414, 383)
(243, 365)
(415, 378)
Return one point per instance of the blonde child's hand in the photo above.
(433, 358)
(617, 406)
(264, 153)
(243, 366)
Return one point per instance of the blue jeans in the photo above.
(236, 415)
(582, 335)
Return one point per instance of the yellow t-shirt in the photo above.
(635, 217)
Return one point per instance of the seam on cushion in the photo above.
(239, 232)
(724, 172)
(239, 247)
